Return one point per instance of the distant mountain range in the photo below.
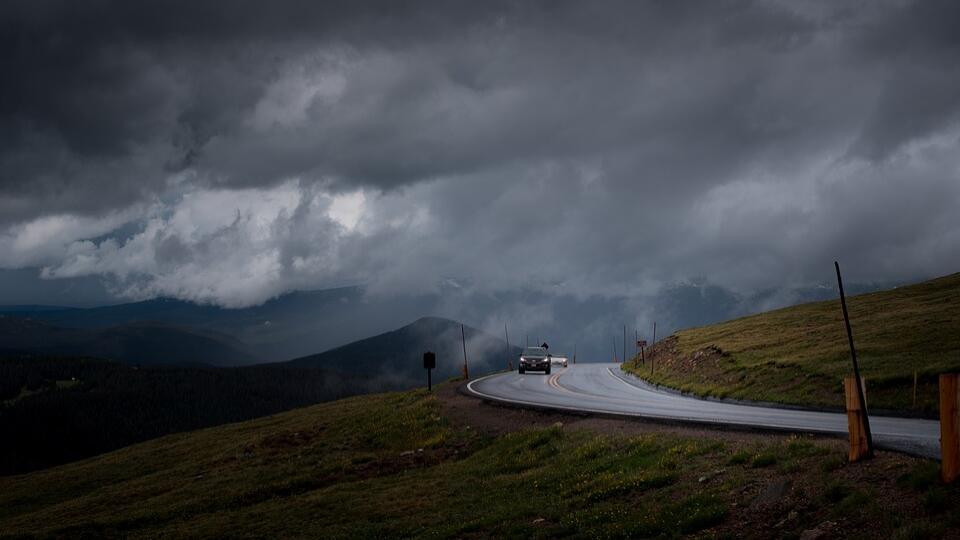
(293, 325)
(399, 353)
(134, 343)
(394, 356)
(302, 324)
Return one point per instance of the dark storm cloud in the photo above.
(433, 88)
(633, 143)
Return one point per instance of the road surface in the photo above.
(605, 389)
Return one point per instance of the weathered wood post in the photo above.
(857, 379)
(914, 389)
(949, 431)
(856, 419)
(466, 371)
(506, 338)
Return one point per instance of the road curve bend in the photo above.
(605, 389)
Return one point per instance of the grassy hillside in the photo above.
(799, 354)
(97, 406)
(395, 465)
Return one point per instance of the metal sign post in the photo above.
(429, 363)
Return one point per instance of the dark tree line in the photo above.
(56, 410)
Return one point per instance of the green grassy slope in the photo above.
(354, 469)
(799, 354)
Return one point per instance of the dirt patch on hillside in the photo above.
(707, 366)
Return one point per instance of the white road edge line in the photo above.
(683, 419)
(686, 419)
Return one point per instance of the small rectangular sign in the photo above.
(641, 343)
(429, 360)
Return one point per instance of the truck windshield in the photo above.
(534, 352)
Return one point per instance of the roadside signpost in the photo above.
(429, 363)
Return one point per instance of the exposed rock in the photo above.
(774, 492)
(820, 531)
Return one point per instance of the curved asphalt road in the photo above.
(605, 389)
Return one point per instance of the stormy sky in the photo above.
(227, 153)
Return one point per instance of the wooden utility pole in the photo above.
(574, 353)
(614, 350)
(624, 343)
(862, 400)
(506, 337)
(463, 338)
(636, 343)
(653, 345)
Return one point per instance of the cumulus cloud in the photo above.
(566, 148)
(232, 247)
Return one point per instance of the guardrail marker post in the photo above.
(949, 429)
(914, 389)
(856, 369)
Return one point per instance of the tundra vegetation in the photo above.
(397, 465)
(799, 355)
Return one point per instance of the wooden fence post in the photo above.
(855, 419)
(949, 436)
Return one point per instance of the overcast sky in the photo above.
(229, 152)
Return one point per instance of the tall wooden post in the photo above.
(856, 416)
(949, 429)
(463, 337)
(506, 338)
(914, 389)
(861, 393)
